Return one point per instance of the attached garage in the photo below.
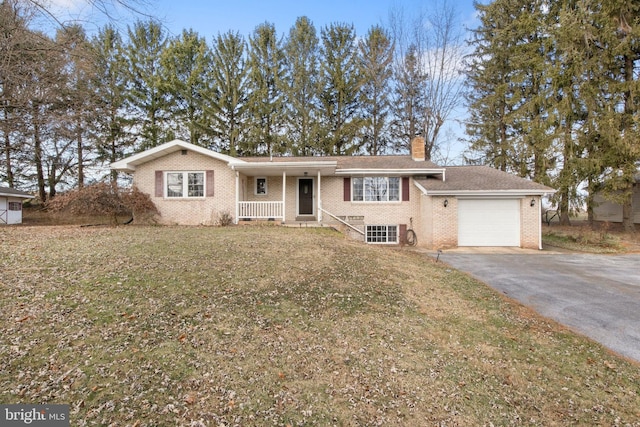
(489, 222)
(481, 206)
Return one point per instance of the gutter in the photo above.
(416, 171)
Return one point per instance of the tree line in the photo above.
(554, 96)
(71, 104)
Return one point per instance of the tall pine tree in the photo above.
(266, 98)
(228, 93)
(376, 56)
(186, 66)
(301, 90)
(340, 86)
(409, 105)
(492, 94)
(147, 41)
(109, 85)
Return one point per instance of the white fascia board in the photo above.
(486, 193)
(17, 196)
(238, 165)
(129, 164)
(389, 171)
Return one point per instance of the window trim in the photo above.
(386, 234)
(185, 184)
(365, 177)
(14, 206)
(255, 186)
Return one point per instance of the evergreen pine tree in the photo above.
(301, 90)
(112, 119)
(228, 93)
(340, 86)
(266, 99)
(147, 41)
(186, 64)
(408, 104)
(376, 56)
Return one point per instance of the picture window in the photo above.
(376, 189)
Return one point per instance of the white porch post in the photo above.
(237, 196)
(284, 195)
(319, 198)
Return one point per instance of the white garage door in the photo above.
(488, 222)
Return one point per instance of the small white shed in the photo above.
(11, 205)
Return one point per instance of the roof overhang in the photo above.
(474, 194)
(415, 171)
(129, 164)
(17, 195)
(270, 168)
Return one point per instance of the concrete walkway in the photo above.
(595, 295)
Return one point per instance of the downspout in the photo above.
(284, 195)
(319, 198)
(539, 223)
(237, 196)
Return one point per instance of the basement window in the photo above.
(382, 233)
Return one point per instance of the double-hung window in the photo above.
(185, 184)
(376, 189)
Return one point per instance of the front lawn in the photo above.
(192, 326)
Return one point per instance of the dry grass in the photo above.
(602, 237)
(147, 326)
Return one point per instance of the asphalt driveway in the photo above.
(595, 295)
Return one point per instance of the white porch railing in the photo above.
(260, 210)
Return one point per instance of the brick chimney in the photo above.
(417, 149)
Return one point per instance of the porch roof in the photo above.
(273, 168)
(336, 165)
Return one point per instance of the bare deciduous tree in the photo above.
(439, 45)
(111, 9)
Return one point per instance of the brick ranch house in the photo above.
(374, 198)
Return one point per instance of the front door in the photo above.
(305, 196)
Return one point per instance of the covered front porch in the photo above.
(285, 190)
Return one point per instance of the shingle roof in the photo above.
(6, 191)
(480, 178)
(354, 162)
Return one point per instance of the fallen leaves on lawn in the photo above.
(230, 326)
